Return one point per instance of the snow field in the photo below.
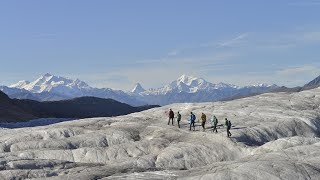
(274, 136)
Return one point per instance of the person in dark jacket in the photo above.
(228, 124)
(171, 116)
(178, 118)
(214, 123)
(203, 121)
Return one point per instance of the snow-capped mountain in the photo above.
(20, 84)
(137, 89)
(188, 84)
(185, 89)
(262, 85)
(193, 89)
(54, 84)
(51, 88)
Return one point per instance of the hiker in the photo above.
(228, 124)
(192, 121)
(214, 123)
(178, 119)
(203, 121)
(171, 116)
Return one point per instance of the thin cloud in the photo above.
(173, 53)
(228, 43)
(305, 69)
(313, 36)
(215, 62)
(155, 73)
(235, 41)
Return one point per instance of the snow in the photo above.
(52, 88)
(54, 84)
(191, 84)
(274, 136)
(184, 83)
(190, 80)
(185, 89)
(34, 123)
(193, 89)
(262, 85)
(20, 84)
(137, 89)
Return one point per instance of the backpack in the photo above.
(193, 117)
(214, 120)
(179, 117)
(229, 124)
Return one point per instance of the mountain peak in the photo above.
(185, 77)
(47, 75)
(137, 89)
(184, 83)
(54, 84)
(313, 84)
(20, 84)
(262, 85)
(189, 80)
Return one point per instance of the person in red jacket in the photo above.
(171, 116)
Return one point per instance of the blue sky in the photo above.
(117, 43)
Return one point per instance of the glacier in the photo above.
(274, 136)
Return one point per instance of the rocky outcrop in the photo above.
(9, 112)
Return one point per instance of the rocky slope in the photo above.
(312, 84)
(14, 110)
(82, 107)
(9, 112)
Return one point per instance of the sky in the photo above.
(117, 43)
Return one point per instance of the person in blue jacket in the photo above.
(192, 121)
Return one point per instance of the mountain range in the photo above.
(185, 89)
(54, 88)
(16, 110)
(193, 89)
(311, 85)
